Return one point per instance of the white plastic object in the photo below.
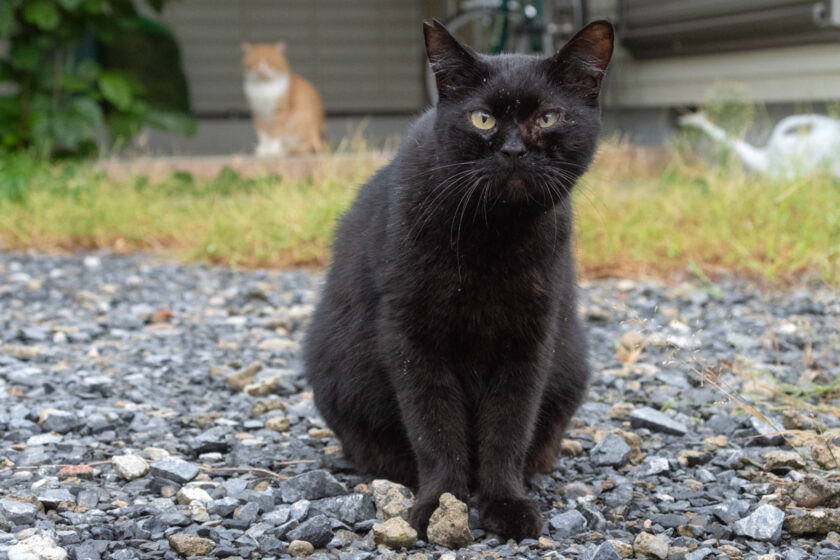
(798, 146)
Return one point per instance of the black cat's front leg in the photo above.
(506, 421)
(432, 408)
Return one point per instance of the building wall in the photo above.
(784, 74)
(366, 58)
(363, 55)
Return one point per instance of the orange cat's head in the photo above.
(264, 61)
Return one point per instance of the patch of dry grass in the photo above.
(637, 212)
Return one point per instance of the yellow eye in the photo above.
(547, 120)
(482, 120)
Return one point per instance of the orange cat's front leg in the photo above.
(268, 146)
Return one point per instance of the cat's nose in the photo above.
(513, 153)
(513, 149)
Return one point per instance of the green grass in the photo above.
(268, 221)
(691, 215)
(634, 216)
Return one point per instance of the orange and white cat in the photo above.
(286, 108)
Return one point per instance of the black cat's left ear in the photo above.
(454, 65)
(582, 61)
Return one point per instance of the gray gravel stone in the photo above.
(646, 417)
(300, 509)
(138, 354)
(610, 451)
(568, 524)
(173, 468)
(52, 497)
(18, 513)
(604, 551)
(769, 434)
(730, 511)
(764, 524)
(700, 554)
(317, 531)
(269, 546)
(60, 421)
(652, 466)
(311, 485)
(244, 516)
(223, 506)
(350, 509)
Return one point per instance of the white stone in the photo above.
(190, 494)
(277, 345)
(43, 439)
(130, 466)
(154, 453)
(37, 547)
(92, 262)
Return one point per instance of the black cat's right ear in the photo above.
(454, 65)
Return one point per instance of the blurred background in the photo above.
(105, 97)
(366, 57)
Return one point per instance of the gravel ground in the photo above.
(176, 394)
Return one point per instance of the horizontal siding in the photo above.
(808, 73)
(790, 74)
(364, 56)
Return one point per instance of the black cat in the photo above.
(446, 351)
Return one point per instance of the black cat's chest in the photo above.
(477, 307)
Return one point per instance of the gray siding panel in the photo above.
(809, 73)
(364, 56)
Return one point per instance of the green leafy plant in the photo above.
(69, 83)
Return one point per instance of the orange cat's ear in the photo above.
(280, 47)
(245, 46)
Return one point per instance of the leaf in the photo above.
(88, 69)
(93, 6)
(171, 121)
(9, 109)
(41, 131)
(116, 90)
(68, 128)
(42, 13)
(7, 17)
(70, 5)
(25, 57)
(122, 127)
(6, 74)
(89, 110)
(74, 83)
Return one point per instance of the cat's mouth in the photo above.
(515, 182)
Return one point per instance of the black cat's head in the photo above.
(526, 126)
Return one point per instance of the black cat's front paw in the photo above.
(419, 516)
(517, 518)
